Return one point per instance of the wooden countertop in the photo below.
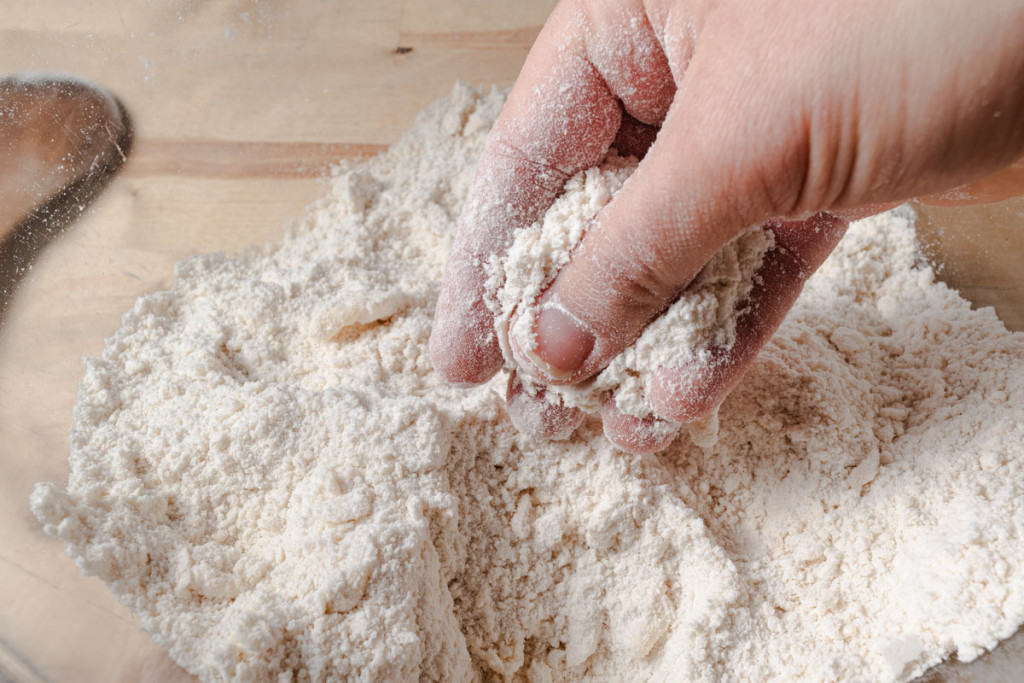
(238, 107)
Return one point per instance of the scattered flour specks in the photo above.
(265, 468)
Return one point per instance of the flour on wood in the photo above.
(265, 468)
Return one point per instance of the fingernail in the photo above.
(560, 343)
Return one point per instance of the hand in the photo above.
(760, 109)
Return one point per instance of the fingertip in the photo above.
(540, 415)
(634, 434)
(463, 345)
(556, 346)
(690, 392)
(463, 363)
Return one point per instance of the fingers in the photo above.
(625, 49)
(538, 415)
(559, 119)
(690, 195)
(753, 133)
(693, 391)
(591, 61)
(636, 435)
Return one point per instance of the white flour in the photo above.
(702, 318)
(266, 469)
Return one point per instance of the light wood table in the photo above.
(238, 107)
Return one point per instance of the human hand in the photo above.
(761, 109)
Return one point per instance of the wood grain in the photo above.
(227, 159)
(238, 106)
(979, 250)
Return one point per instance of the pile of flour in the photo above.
(266, 469)
(702, 319)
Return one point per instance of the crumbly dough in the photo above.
(704, 317)
(266, 469)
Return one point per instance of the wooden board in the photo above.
(238, 106)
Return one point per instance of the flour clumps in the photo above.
(265, 468)
(703, 318)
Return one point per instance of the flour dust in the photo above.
(265, 468)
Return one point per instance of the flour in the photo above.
(703, 318)
(266, 469)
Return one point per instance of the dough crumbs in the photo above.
(703, 318)
(265, 468)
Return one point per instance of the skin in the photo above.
(742, 112)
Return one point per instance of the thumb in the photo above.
(691, 194)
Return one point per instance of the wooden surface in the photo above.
(238, 106)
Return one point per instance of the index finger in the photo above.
(560, 118)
